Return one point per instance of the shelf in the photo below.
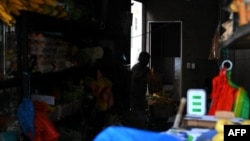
(9, 83)
(57, 75)
(239, 33)
(243, 43)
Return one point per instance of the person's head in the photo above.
(144, 58)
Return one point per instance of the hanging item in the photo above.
(228, 96)
(215, 50)
(25, 115)
(223, 95)
(44, 128)
(242, 105)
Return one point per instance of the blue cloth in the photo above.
(207, 135)
(25, 115)
(121, 133)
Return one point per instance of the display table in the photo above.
(189, 131)
(187, 134)
(197, 128)
(204, 121)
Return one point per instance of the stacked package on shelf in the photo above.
(42, 50)
(60, 55)
(242, 8)
(49, 53)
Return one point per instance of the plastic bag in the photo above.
(223, 94)
(45, 130)
(121, 133)
(25, 115)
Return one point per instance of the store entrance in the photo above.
(165, 46)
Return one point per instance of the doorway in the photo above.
(165, 47)
(136, 31)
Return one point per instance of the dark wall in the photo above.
(200, 19)
(240, 61)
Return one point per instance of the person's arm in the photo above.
(138, 75)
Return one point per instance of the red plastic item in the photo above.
(44, 128)
(223, 94)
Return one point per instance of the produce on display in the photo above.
(15, 6)
(219, 127)
(101, 90)
(5, 15)
(50, 54)
(246, 122)
(66, 9)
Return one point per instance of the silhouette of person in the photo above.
(139, 74)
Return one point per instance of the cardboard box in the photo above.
(204, 121)
(198, 123)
